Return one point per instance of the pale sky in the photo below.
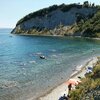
(13, 10)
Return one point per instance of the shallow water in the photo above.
(23, 74)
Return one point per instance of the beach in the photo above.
(50, 50)
(63, 88)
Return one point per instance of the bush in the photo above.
(88, 85)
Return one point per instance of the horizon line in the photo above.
(6, 27)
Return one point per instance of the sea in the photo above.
(23, 74)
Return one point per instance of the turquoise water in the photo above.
(23, 74)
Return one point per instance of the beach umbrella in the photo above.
(73, 82)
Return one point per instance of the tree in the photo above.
(93, 5)
(86, 4)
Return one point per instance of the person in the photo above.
(69, 87)
(61, 98)
(64, 97)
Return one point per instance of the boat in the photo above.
(42, 57)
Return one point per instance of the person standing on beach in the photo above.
(69, 87)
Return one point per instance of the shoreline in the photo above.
(39, 35)
(61, 89)
(56, 36)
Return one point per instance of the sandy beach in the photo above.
(63, 88)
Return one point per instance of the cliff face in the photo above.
(54, 22)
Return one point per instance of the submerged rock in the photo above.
(8, 84)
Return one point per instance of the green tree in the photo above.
(86, 4)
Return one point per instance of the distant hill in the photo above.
(66, 20)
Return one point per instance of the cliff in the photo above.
(56, 20)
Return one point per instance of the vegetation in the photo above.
(46, 11)
(89, 88)
(89, 27)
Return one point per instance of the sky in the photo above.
(13, 10)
